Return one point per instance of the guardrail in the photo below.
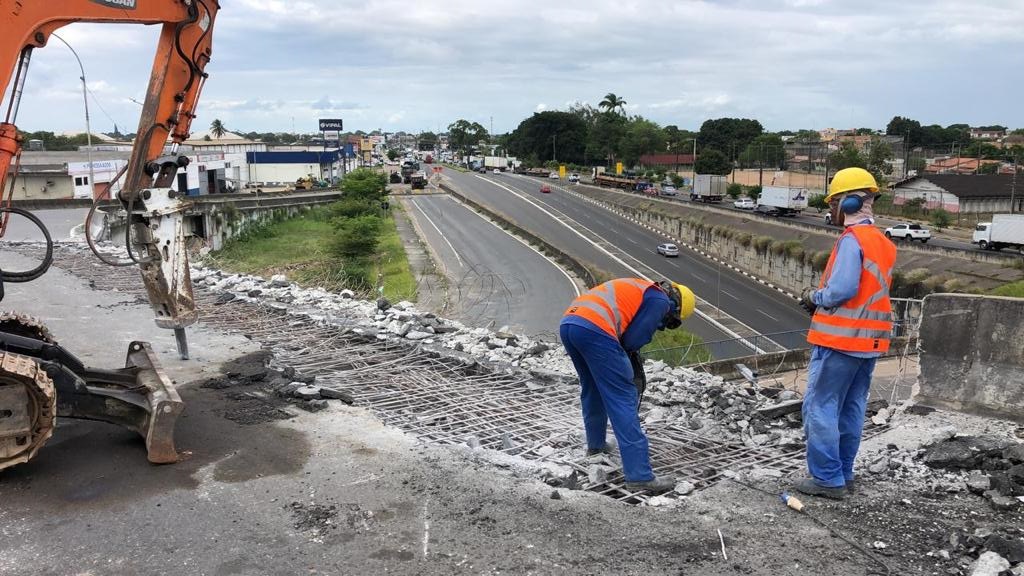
(722, 354)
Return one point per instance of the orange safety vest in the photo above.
(611, 306)
(862, 323)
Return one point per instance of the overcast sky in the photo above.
(419, 65)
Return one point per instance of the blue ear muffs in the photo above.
(851, 204)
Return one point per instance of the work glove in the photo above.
(807, 300)
(639, 377)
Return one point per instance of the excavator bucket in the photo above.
(139, 397)
(163, 403)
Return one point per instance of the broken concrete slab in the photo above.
(780, 409)
(965, 451)
(307, 393)
(332, 394)
(989, 564)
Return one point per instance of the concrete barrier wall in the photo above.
(972, 355)
(790, 271)
(214, 220)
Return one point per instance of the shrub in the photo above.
(734, 190)
(356, 238)
(821, 261)
(941, 219)
(353, 207)
(364, 183)
(744, 239)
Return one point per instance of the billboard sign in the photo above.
(330, 125)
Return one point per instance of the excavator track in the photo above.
(28, 408)
(25, 325)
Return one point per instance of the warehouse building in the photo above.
(973, 194)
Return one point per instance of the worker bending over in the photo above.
(850, 328)
(601, 328)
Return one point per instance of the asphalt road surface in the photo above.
(59, 222)
(494, 279)
(761, 309)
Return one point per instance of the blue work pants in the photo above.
(607, 393)
(837, 394)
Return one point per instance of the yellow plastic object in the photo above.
(850, 179)
(792, 501)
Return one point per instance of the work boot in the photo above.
(851, 487)
(654, 486)
(811, 487)
(606, 449)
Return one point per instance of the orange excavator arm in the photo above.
(174, 87)
(154, 227)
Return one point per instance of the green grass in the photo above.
(399, 282)
(1013, 289)
(676, 348)
(298, 248)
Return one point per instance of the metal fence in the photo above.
(906, 323)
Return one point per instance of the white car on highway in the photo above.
(574, 178)
(496, 172)
(908, 232)
(668, 190)
(744, 204)
(553, 176)
(668, 250)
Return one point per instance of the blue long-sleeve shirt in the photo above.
(844, 281)
(649, 317)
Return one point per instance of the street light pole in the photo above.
(88, 127)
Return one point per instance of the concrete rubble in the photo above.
(706, 404)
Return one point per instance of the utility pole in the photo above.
(760, 167)
(88, 128)
(1013, 185)
(554, 147)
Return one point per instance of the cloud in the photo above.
(789, 63)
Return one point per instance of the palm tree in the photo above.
(612, 103)
(217, 128)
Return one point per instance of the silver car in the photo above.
(668, 250)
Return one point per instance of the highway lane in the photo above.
(494, 279)
(561, 231)
(763, 309)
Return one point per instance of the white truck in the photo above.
(499, 162)
(786, 201)
(708, 188)
(1004, 231)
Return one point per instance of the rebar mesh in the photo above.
(448, 400)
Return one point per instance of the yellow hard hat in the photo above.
(687, 301)
(849, 180)
(681, 296)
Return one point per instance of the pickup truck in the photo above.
(908, 232)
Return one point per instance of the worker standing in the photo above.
(602, 331)
(850, 327)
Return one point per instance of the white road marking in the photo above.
(639, 274)
(768, 315)
(729, 294)
(443, 237)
